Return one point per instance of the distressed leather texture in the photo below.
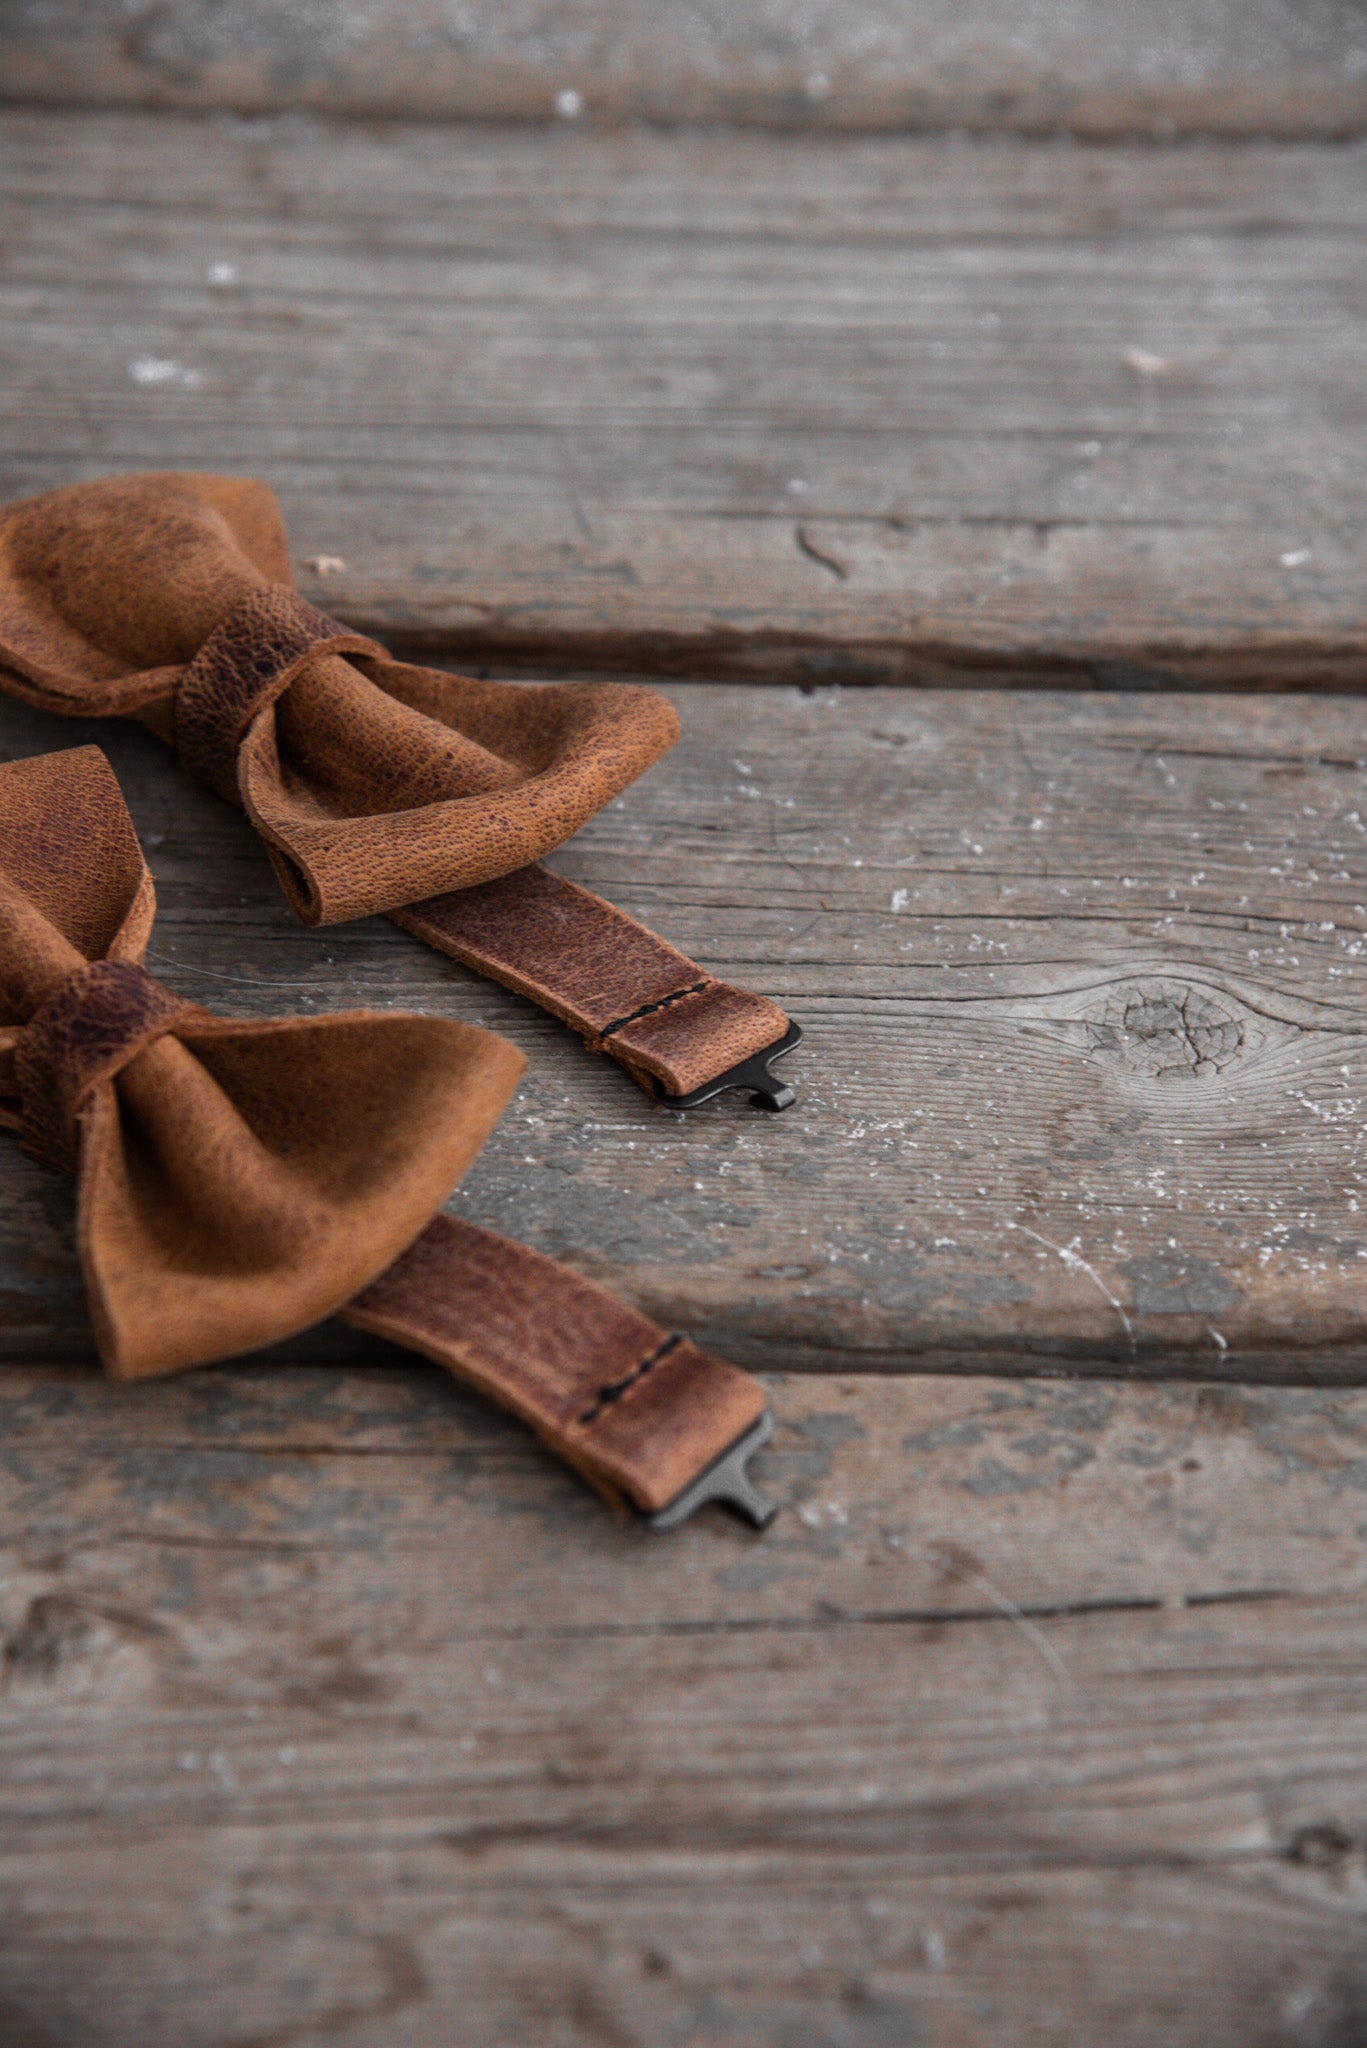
(629, 993)
(246, 664)
(238, 1182)
(376, 786)
(638, 1412)
(99, 1019)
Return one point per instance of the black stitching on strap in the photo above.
(616, 1388)
(648, 1009)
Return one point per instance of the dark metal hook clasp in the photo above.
(726, 1480)
(766, 1090)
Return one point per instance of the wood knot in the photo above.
(63, 1645)
(1323, 1845)
(1168, 1030)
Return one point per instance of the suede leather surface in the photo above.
(223, 1203)
(373, 783)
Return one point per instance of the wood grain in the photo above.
(1095, 67)
(334, 1712)
(1082, 977)
(777, 408)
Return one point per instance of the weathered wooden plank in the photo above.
(354, 1489)
(1083, 981)
(331, 1712)
(1100, 68)
(771, 407)
(307, 1941)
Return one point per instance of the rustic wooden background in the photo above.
(988, 390)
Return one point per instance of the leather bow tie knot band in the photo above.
(225, 1203)
(376, 786)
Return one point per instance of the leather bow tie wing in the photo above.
(374, 784)
(223, 1202)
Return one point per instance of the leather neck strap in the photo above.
(640, 1413)
(631, 995)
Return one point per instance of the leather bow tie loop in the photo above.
(375, 784)
(223, 1203)
(100, 1018)
(248, 661)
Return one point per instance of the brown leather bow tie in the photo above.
(224, 1203)
(375, 785)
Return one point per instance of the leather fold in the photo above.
(374, 783)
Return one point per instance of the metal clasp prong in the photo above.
(766, 1090)
(725, 1480)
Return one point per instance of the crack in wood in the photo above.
(814, 553)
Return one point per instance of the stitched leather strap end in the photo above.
(692, 1040)
(631, 994)
(639, 1413)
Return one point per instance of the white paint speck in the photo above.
(899, 899)
(223, 1771)
(1294, 557)
(1145, 364)
(153, 370)
(326, 565)
(815, 1512)
(569, 104)
(222, 273)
